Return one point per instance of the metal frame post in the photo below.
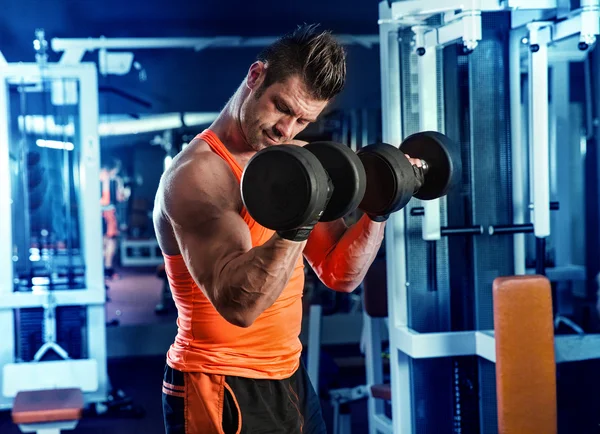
(539, 37)
(400, 372)
(560, 156)
(428, 121)
(518, 148)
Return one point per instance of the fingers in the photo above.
(414, 161)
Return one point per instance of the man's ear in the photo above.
(256, 75)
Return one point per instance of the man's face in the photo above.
(275, 115)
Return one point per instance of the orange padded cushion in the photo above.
(525, 361)
(52, 405)
(381, 391)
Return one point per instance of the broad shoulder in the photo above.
(199, 184)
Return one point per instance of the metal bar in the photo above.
(449, 230)
(364, 128)
(590, 23)
(518, 148)
(570, 348)
(539, 34)
(429, 38)
(469, 230)
(432, 268)
(532, 4)
(560, 156)
(89, 172)
(91, 44)
(431, 345)
(510, 229)
(465, 26)
(564, 273)
(7, 323)
(372, 334)
(314, 344)
(6, 277)
(482, 343)
(589, 99)
(354, 130)
(450, 32)
(400, 372)
(540, 259)
(428, 121)
(46, 125)
(566, 28)
(78, 297)
(49, 374)
(416, 8)
(382, 424)
(520, 17)
(485, 345)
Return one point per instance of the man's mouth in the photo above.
(271, 139)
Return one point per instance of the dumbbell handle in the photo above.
(425, 168)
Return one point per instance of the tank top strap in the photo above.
(219, 148)
(259, 233)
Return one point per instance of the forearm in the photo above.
(346, 265)
(251, 282)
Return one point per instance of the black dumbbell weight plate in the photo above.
(284, 187)
(347, 176)
(443, 158)
(390, 179)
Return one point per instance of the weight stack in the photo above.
(70, 332)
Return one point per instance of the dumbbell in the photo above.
(287, 186)
(392, 180)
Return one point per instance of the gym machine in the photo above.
(52, 290)
(423, 45)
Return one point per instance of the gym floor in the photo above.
(133, 295)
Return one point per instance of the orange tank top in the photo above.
(270, 348)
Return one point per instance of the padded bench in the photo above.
(47, 411)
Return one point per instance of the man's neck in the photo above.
(228, 129)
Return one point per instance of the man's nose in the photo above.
(285, 127)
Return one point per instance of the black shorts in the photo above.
(197, 403)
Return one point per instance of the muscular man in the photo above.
(235, 363)
(113, 191)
